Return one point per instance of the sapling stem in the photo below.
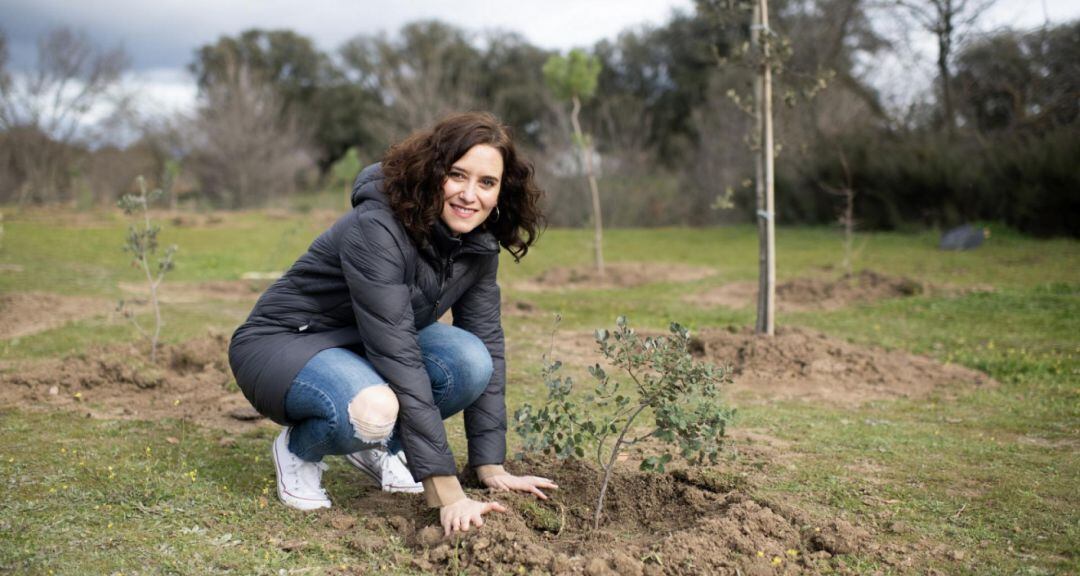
(142, 243)
(611, 465)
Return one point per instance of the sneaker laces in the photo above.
(310, 474)
(395, 469)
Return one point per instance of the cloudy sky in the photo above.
(161, 35)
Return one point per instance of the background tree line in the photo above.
(997, 138)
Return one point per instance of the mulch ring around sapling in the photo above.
(682, 522)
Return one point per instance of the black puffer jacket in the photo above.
(364, 285)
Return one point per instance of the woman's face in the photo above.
(471, 189)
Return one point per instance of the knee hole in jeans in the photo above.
(373, 412)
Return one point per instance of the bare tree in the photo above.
(948, 21)
(247, 149)
(42, 110)
(5, 78)
(428, 72)
(847, 215)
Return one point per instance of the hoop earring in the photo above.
(496, 214)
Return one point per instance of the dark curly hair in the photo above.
(415, 169)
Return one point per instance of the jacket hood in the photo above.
(368, 188)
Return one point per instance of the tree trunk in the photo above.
(764, 165)
(944, 51)
(586, 155)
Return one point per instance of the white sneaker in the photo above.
(299, 482)
(389, 471)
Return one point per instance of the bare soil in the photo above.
(699, 521)
(798, 363)
(616, 275)
(806, 294)
(709, 520)
(191, 381)
(25, 313)
(803, 364)
(192, 292)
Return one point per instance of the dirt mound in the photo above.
(803, 294)
(191, 381)
(617, 275)
(798, 363)
(25, 313)
(803, 364)
(192, 292)
(653, 524)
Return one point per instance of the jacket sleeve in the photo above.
(478, 311)
(374, 266)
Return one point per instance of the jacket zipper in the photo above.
(447, 273)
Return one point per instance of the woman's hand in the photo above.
(463, 513)
(531, 484)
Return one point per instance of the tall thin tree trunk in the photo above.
(849, 211)
(586, 154)
(764, 165)
(945, 38)
(759, 178)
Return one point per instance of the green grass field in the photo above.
(984, 483)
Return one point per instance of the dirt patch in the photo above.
(806, 294)
(25, 313)
(191, 219)
(191, 381)
(617, 275)
(191, 292)
(803, 364)
(653, 524)
(519, 308)
(798, 363)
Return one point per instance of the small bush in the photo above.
(682, 397)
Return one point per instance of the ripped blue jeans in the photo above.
(457, 363)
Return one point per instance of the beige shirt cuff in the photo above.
(485, 471)
(442, 490)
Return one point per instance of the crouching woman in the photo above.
(345, 350)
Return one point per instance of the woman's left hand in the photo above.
(531, 484)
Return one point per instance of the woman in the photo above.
(345, 351)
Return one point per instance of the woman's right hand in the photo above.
(463, 513)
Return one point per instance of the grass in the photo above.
(989, 477)
(111, 497)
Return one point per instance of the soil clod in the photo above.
(654, 524)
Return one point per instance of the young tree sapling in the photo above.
(142, 242)
(681, 395)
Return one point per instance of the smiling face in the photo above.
(471, 188)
